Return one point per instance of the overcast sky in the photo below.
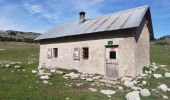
(40, 15)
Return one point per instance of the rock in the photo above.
(128, 83)
(72, 75)
(23, 70)
(157, 75)
(17, 66)
(45, 82)
(167, 74)
(97, 77)
(144, 82)
(134, 95)
(120, 88)
(59, 72)
(79, 84)
(162, 66)
(92, 89)
(89, 79)
(126, 79)
(145, 92)
(45, 77)
(7, 65)
(163, 87)
(165, 97)
(143, 75)
(67, 98)
(34, 71)
(107, 81)
(107, 92)
(40, 72)
(52, 70)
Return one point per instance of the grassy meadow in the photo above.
(21, 84)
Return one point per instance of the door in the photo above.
(112, 61)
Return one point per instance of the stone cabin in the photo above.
(113, 45)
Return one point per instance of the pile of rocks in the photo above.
(7, 64)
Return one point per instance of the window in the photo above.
(55, 52)
(85, 53)
(112, 54)
(49, 53)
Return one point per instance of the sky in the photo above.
(41, 15)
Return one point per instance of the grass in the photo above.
(23, 85)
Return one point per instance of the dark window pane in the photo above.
(112, 54)
(55, 52)
(85, 53)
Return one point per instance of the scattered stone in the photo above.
(128, 83)
(162, 66)
(79, 84)
(107, 81)
(67, 98)
(45, 82)
(163, 87)
(157, 75)
(134, 95)
(7, 65)
(167, 74)
(92, 89)
(120, 88)
(59, 72)
(72, 75)
(165, 97)
(126, 79)
(89, 79)
(107, 92)
(45, 77)
(136, 88)
(52, 70)
(17, 66)
(144, 82)
(145, 92)
(34, 71)
(97, 77)
(12, 71)
(23, 70)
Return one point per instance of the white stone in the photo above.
(52, 70)
(144, 82)
(120, 88)
(97, 77)
(17, 66)
(143, 75)
(23, 70)
(145, 92)
(163, 87)
(134, 95)
(34, 71)
(107, 92)
(59, 72)
(126, 79)
(45, 77)
(165, 97)
(162, 66)
(92, 89)
(7, 65)
(167, 74)
(157, 75)
(45, 82)
(72, 75)
(89, 79)
(128, 83)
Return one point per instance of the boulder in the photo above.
(89, 79)
(165, 97)
(144, 82)
(107, 92)
(134, 95)
(72, 75)
(163, 87)
(167, 74)
(45, 82)
(145, 92)
(128, 83)
(92, 89)
(157, 75)
(45, 77)
(34, 71)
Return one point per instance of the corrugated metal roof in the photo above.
(121, 20)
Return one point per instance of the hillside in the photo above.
(10, 35)
(164, 40)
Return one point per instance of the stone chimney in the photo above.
(82, 16)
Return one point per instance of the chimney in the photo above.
(82, 16)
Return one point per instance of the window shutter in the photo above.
(76, 54)
(49, 53)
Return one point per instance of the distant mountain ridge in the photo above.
(164, 40)
(11, 35)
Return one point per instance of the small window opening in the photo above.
(112, 54)
(55, 52)
(85, 53)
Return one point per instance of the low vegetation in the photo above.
(22, 84)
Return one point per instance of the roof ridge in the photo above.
(122, 11)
